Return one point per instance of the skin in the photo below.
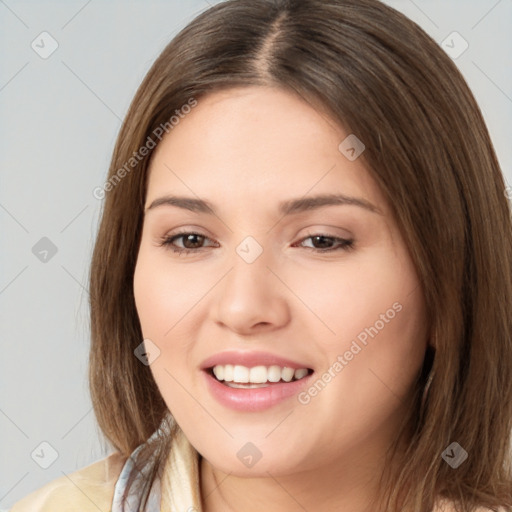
(245, 150)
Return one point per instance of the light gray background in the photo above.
(59, 120)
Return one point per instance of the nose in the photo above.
(251, 298)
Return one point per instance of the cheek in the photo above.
(169, 299)
(377, 288)
(382, 344)
(163, 295)
(162, 299)
(376, 340)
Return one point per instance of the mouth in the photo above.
(244, 377)
(254, 381)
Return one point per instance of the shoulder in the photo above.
(88, 489)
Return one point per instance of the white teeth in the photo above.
(228, 373)
(301, 372)
(257, 374)
(287, 374)
(219, 372)
(274, 374)
(240, 374)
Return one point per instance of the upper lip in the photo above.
(250, 359)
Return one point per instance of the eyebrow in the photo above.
(289, 207)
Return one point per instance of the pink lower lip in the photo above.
(254, 399)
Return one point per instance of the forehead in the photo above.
(257, 143)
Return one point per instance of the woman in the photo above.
(300, 289)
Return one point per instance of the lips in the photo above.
(253, 381)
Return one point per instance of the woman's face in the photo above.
(278, 273)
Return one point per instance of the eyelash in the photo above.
(167, 242)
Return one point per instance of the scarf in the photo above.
(177, 491)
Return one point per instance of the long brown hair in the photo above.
(379, 75)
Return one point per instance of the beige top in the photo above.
(88, 489)
(91, 489)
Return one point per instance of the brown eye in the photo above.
(322, 242)
(326, 243)
(190, 242)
